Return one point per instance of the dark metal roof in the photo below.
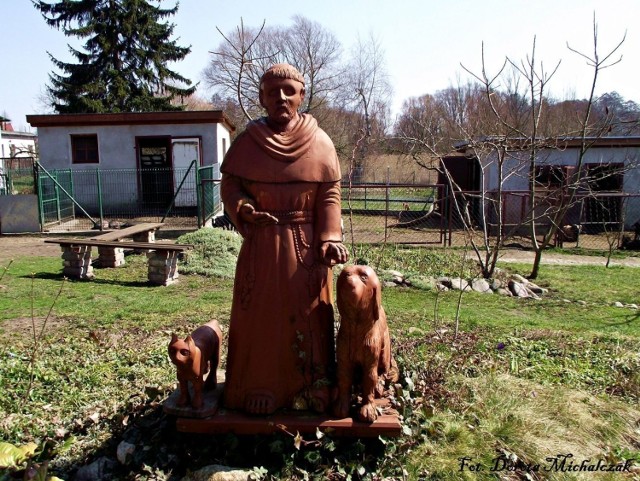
(132, 118)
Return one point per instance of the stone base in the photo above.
(211, 402)
(304, 422)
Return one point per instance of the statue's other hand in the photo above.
(333, 253)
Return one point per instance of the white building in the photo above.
(15, 144)
(156, 148)
(612, 165)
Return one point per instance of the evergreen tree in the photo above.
(123, 66)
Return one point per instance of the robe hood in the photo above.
(306, 154)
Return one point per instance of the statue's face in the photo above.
(281, 98)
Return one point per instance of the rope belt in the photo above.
(293, 216)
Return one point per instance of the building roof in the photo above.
(132, 118)
(615, 141)
(10, 134)
(559, 142)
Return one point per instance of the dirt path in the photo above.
(12, 246)
(514, 255)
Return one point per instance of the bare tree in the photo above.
(588, 132)
(316, 53)
(244, 55)
(233, 70)
(365, 91)
(511, 129)
(521, 123)
(474, 117)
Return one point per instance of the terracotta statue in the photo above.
(281, 189)
(363, 344)
(194, 357)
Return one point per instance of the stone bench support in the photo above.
(162, 267)
(77, 262)
(111, 256)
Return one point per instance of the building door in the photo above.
(185, 151)
(603, 208)
(156, 179)
(465, 173)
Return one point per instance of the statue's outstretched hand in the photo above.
(333, 253)
(250, 215)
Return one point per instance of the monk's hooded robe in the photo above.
(281, 335)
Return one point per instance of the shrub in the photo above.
(215, 252)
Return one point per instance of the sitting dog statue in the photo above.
(363, 345)
(194, 357)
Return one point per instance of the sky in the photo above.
(425, 41)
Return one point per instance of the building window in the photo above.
(84, 149)
(551, 175)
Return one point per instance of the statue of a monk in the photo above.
(281, 188)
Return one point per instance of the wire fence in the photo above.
(430, 214)
(94, 198)
(373, 213)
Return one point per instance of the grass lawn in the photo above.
(524, 383)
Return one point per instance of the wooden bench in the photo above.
(114, 256)
(162, 257)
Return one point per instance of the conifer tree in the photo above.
(123, 65)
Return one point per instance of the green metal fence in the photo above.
(372, 213)
(96, 198)
(209, 199)
(55, 195)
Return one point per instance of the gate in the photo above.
(92, 198)
(56, 196)
(209, 200)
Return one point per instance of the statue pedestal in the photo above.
(213, 419)
(211, 402)
(225, 421)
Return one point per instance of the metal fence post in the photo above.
(38, 186)
(199, 197)
(57, 192)
(386, 211)
(99, 184)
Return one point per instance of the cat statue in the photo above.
(194, 357)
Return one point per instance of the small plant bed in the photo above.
(486, 381)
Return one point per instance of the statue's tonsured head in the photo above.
(284, 71)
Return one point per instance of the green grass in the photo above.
(523, 379)
(562, 308)
(616, 254)
(505, 421)
(375, 198)
(21, 181)
(118, 298)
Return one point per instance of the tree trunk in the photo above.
(535, 269)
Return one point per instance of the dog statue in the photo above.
(194, 357)
(363, 345)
